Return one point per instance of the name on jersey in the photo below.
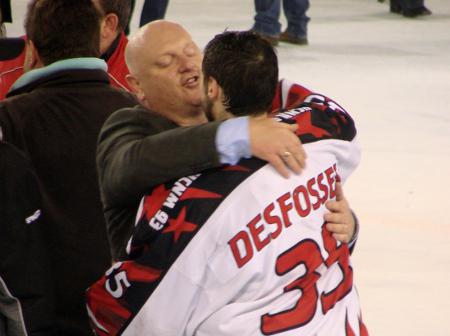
(304, 199)
(158, 221)
(291, 113)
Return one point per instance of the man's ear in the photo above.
(32, 57)
(213, 89)
(109, 25)
(108, 31)
(133, 83)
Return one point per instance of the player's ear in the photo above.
(212, 89)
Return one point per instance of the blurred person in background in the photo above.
(114, 18)
(409, 8)
(152, 10)
(268, 26)
(53, 114)
(5, 15)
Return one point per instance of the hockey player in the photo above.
(239, 250)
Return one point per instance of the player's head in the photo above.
(61, 29)
(240, 71)
(165, 70)
(115, 16)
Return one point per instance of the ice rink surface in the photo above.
(393, 75)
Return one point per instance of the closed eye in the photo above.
(164, 61)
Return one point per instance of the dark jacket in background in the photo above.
(55, 120)
(26, 302)
(5, 11)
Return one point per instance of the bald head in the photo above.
(151, 40)
(165, 70)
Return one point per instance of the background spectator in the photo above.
(153, 10)
(5, 15)
(409, 8)
(54, 113)
(114, 16)
(267, 21)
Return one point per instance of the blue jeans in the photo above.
(153, 10)
(268, 14)
(408, 4)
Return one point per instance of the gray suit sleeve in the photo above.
(138, 149)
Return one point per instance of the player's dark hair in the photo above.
(246, 67)
(62, 29)
(122, 8)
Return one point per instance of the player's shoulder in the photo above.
(290, 86)
(318, 121)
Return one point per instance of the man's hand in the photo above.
(340, 219)
(276, 143)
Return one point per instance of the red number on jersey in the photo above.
(307, 253)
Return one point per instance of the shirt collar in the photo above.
(108, 53)
(90, 63)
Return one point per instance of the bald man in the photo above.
(133, 155)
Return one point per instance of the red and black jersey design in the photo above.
(172, 215)
(289, 95)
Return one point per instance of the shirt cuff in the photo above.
(351, 244)
(232, 140)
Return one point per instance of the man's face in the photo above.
(170, 74)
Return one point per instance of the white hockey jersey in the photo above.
(241, 250)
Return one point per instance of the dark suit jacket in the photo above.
(138, 149)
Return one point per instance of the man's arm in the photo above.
(138, 149)
(341, 221)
